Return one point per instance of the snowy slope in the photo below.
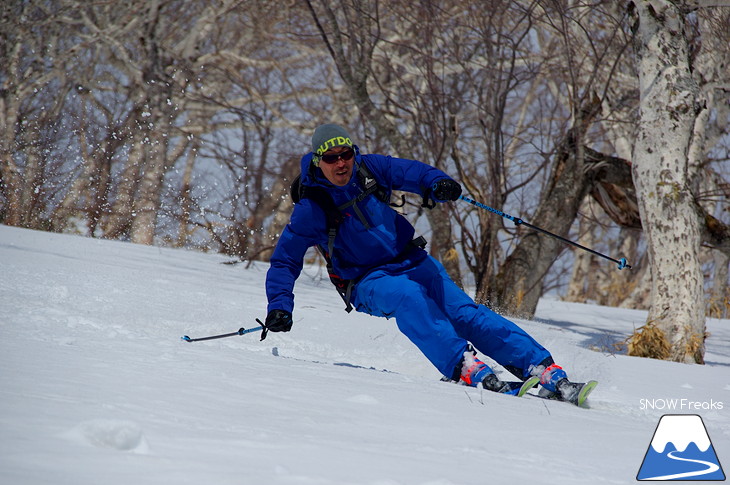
(96, 385)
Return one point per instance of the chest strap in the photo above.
(368, 186)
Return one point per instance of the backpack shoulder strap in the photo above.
(295, 190)
(319, 196)
(370, 184)
(333, 217)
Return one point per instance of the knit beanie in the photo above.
(329, 136)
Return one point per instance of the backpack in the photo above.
(334, 218)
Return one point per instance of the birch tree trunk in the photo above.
(157, 128)
(720, 295)
(669, 108)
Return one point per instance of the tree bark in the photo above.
(720, 294)
(669, 107)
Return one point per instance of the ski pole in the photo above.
(622, 263)
(241, 331)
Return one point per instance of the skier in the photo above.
(380, 268)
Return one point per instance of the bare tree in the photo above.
(589, 65)
(34, 47)
(135, 43)
(259, 89)
(150, 88)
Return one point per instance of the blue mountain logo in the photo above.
(681, 450)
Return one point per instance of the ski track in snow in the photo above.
(96, 385)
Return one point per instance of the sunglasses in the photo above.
(345, 156)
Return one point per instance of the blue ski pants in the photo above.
(441, 320)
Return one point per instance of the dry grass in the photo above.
(649, 341)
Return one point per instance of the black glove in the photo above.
(446, 189)
(278, 321)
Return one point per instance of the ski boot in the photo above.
(555, 385)
(474, 372)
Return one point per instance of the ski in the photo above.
(519, 389)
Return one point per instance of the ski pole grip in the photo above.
(264, 330)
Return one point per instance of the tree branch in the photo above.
(613, 188)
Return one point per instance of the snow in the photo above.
(96, 385)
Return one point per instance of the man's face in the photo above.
(336, 165)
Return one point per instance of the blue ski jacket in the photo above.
(372, 234)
